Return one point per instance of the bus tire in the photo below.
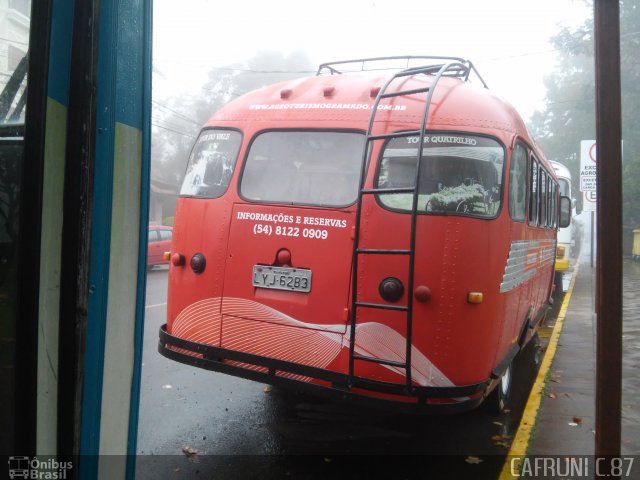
(558, 281)
(499, 397)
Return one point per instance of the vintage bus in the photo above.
(566, 236)
(387, 238)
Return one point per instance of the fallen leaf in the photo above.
(501, 440)
(577, 420)
(473, 460)
(552, 395)
(191, 454)
(188, 451)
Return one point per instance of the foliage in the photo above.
(568, 115)
(631, 193)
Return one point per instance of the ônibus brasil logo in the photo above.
(33, 468)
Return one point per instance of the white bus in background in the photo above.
(566, 241)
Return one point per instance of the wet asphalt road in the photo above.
(243, 429)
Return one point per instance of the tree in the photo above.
(569, 112)
(177, 121)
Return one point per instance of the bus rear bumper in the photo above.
(328, 383)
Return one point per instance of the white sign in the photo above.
(589, 201)
(587, 184)
(588, 156)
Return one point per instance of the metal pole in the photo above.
(609, 228)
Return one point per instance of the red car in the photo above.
(159, 239)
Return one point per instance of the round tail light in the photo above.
(197, 263)
(391, 289)
(177, 259)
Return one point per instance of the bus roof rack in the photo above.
(426, 64)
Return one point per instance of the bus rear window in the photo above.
(303, 168)
(459, 174)
(211, 163)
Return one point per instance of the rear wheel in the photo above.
(498, 398)
(558, 292)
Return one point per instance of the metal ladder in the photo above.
(456, 68)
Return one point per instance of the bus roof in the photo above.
(345, 101)
(349, 97)
(561, 170)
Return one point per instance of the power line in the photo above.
(172, 130)
(177, 114)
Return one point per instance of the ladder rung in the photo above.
(389, 190)
(404, 92)
(383, 136)
(380, 361)
(383, 251)
(382, 306)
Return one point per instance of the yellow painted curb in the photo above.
(530, 414)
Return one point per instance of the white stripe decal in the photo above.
(526, 259)
(272, 333)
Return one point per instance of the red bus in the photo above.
(381, 237)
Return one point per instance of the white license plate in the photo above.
(282, 278)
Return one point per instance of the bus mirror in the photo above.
(565, 212)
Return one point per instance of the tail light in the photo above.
(177, 259)
(391, 289)
(475, 297)
(198, 263)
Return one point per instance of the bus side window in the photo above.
(533, 192)
(550, 193)
(542, 192)
(518, 184)
(211, 163)
(555, 205)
